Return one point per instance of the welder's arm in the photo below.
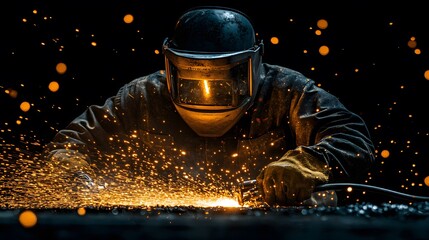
(71, 168)
(333, 144)
(325, 129)
(77, 150)
(100, 129)
(93, 131)
(82, 146)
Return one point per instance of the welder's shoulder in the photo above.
(154, 81)
(281, 76)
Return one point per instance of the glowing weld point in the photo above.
(223, 202)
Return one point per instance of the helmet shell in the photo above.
(213, 29)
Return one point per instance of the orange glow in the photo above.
(128, 18)
(61, 68)
(223, 202)
(426, 74)
(206, 88)
(25, 106)
(274, 40)
(427, 181)
(318, 32)
(81, 211)
(324, 50)
(412, 42)
(322, 24)
(28, 219)
(385, 153)
(53, 86)
(12, 93)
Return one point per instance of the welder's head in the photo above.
(212, 66)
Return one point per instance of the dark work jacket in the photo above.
(140, 131)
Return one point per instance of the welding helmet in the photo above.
(212, 66)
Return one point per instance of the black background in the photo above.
(389, 89)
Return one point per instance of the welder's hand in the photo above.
(292, 179)
(83, 181)
(72, 167)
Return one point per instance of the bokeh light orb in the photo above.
(81, 211)
(27, 219)
(61, 68)
(385, 153)
(25, 106)
(322, 24)
(53, 86)
(324, 50)
(274, 40)
(128, 18)
(427, 74)
(427, 181)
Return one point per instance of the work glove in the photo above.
(73, 168)
(292, 179)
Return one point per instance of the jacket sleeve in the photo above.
(98, 128)
(326, 129)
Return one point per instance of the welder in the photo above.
(221, 114)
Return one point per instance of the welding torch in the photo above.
(247, 192)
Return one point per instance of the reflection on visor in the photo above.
(211, 92)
